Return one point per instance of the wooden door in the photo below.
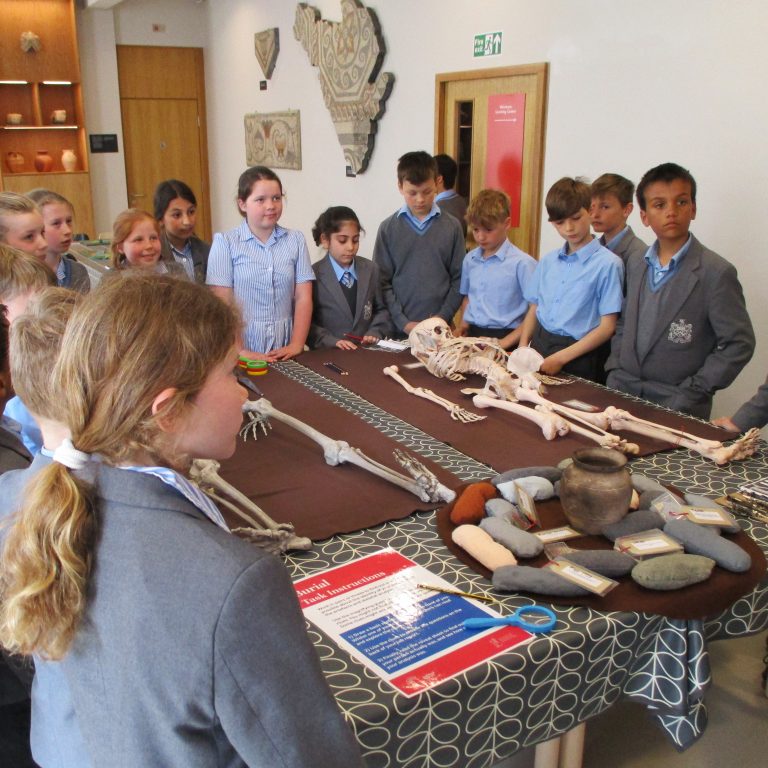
(164, 126)
(461, 130)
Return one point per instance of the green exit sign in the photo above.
(488, 44)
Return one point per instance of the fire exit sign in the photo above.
(488, 44)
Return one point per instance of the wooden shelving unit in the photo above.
(35, 85)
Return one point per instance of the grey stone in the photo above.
(606, 562)
(634, 522)
(540, 581)
(551, 473)
(697, 540)
(668, 572)
(520, 543)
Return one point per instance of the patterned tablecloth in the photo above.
(547, 687)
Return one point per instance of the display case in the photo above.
(42, 123)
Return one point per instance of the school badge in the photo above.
(368, 311)
(680, 332)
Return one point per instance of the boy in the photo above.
(419, 251)
(58, 216)
(494, 274)
(685, 331)
(449, 200)
(575, 293)
(610, 208)
(754, 413)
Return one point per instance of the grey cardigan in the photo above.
(193, 651)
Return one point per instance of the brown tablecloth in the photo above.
(502, 440)
(698, 601)
(286, 475)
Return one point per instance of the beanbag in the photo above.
(540, 581)
(606, 562)
(668, 572)
(642, 483)
(500, 508)
(634, 522)
(550, 473)
(539, 487)
(520, 543)
(469, 508)
(694, 500)
(482, 547)
(698, 540)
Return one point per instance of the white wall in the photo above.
(630, 86)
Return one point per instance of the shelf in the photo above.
(40, 127)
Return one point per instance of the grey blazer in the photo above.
(629, 245)
(200, 250)
(193, 651)
(702, 337)
(331, 316)
(754, 413)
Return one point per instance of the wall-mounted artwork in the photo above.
(349, 56)
(273, 139)
(267, 45)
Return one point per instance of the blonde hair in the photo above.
(34, 347)
(116, 357)
(21, 273)
(489, 207)
(12, 204)
(121, 230)
(43, 197)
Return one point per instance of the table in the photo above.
(533, 694)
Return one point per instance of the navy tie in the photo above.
(347, 280)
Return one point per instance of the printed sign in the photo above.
(487, 44)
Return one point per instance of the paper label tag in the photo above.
(668, 506)
(557, 534)
(577, 574)
(647, 543)
(580, 405)
(556, 549)
(527, 505)
(393, 346)
(709, 516)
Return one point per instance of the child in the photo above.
(13, 454)
(684, 331)
(610, 209)
(575, 292)
(754, 413)
(494, 274)
(21, 225)
(176, 212)
(447, 197)
(136, 243)
(168, 659)
(265, 269)
(419, 251)
(346, 295)
(57, 215)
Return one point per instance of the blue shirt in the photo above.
(183, 257)
(611, 246)
(419, 225)
(263, 277)
(339, 271)
(658, 275)
(30, 433)
(495, 286)
(573, 291)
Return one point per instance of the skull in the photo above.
(428, 336)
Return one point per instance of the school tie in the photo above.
(347, 279)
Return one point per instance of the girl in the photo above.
(21, 225)
(136, 243)
(175, 642)
(176, 212)
(58, 216)
(265, 269)
(346, 295)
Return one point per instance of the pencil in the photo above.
(336, 368)
(484, 598)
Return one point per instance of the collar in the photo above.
(246, 234)
(652, 257)
(615, 240)
(501, 254)
(185, 252)
(446, 194)
(420, 225)
(583, 254)
(339, 270)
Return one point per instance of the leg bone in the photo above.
(551, 424)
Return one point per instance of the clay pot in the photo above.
(596, 489)
(69, 160)
(43, 161)
(14, 162)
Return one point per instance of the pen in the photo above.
(336, 368)
(352, 336)
(248, 384)
(456, 592)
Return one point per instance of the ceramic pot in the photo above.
(596, 489)
(69, 160)
(14, 162)
(43, 161)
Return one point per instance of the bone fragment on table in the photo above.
(457, 412)
(262, 529)
(422, 483)
(550, 423)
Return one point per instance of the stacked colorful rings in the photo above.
(253, 367)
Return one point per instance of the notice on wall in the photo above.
(411, 637)
(504, 142)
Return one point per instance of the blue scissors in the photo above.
(529, 623)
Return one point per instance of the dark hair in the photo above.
(167, 191)
(416, 167)
(447, 168)
(567, 197)
(613, 184)
(331, 220)
(665, 172)
(250, 176)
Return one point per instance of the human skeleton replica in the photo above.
(280, 537)
(512, 379)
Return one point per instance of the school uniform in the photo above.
(452, 202)
(73, 275)
(186, 660)
(193, 257)
(625, 244)
(754, 413)
(679, 344)
(572, 292)
(357, 309)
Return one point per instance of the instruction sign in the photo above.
(487, 44)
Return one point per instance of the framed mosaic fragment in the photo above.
(273, 139)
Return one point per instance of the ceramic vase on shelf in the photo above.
(595, 490)
(69, 160)
(43, 161)
(14, 162)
